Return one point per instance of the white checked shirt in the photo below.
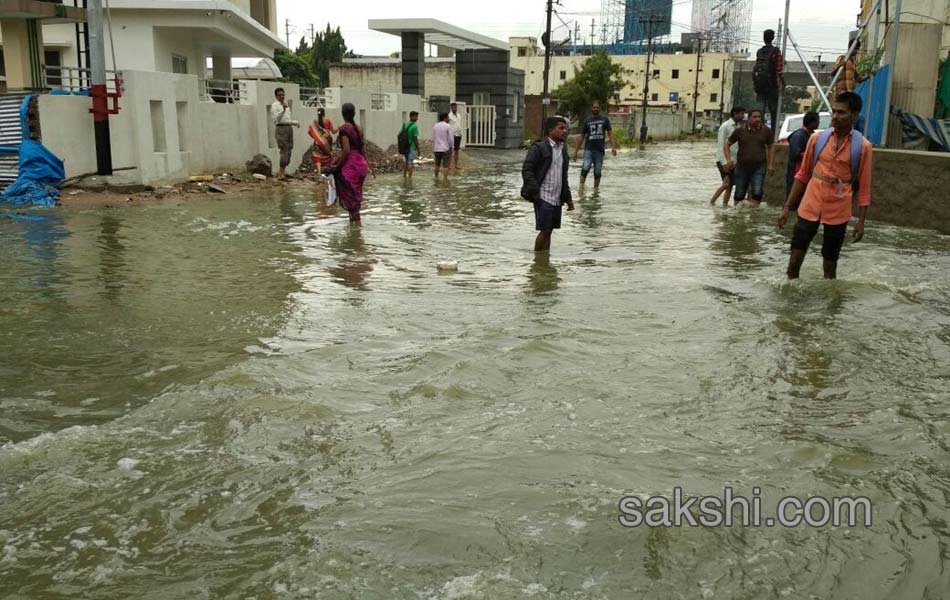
(551, 186)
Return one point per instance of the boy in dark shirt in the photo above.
(593, 131)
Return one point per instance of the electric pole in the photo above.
(287, 30)
(592, 37)
(313, 35)
(699, 57)
(545, 99)
(646, 77)
(722, 92)
(100, 99)
(781, 92)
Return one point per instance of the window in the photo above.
(714, 97)
(156, 107)
(515, 106)
(563, 75)
(522, 52)
(179, 64)
(676, 73)
(654, 97)
(656, 72)
(54, 63)
(715, 73)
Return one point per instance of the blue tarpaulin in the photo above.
(40, 171)
(874, 110)
(916, 128)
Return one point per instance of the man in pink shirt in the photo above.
(836, 170)
(443, 141)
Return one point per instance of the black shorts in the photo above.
(806, 230)
(442, 158)
(546, 216)
(722, 171)
(458, 142)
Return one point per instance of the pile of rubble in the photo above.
(383, 161)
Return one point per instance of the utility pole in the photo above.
(577, 35)
(313, 35)
(592, 38)
(781, 92)
(646, 77)
(722, 92)
(891, 60)
(100, 99)
(545, 99)
(603, 35)
(287, 30)
(699, 56)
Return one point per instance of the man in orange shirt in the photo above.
(836, 170)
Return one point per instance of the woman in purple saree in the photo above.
(350, 167)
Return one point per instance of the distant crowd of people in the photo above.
(826, 171)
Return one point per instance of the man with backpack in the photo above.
(408, 142)
(836, 170)
(767, 77)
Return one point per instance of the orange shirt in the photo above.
(825, 201)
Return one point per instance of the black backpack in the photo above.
(764, 77)
(402, 140)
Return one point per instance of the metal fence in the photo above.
(221, 91)
(74, 79)
(481, 125)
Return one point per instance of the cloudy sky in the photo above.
(818, 25)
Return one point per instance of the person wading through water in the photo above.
(350, 167)
(544, 175)
(836, 170)
(321, 130)
(593, 133)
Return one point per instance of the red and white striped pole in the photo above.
(98, 92)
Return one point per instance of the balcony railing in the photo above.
(76, 80)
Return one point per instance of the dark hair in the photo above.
(454, 104)
(349, 112)
(443, 116)
(811, 117)
(278, 90)
(595, 101)
(768, 35)
(552, 122)
(736, 110)
(756, 110)
(851, 99)
(413, 113)
(857, 44)
(321, 114)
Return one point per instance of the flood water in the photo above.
(246, 398)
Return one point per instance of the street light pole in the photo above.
(781, 92)
(545, 99)
(97, 91)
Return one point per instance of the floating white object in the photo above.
(330, 194)
(259, 176)
(448, 265)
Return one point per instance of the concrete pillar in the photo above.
(413, 64)
(23, 53)
(220, 67)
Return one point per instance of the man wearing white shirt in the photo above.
(458, 129)
(284, 124)
(725, 130)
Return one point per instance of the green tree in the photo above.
(295, 68)
(329, 47)
(599, 78)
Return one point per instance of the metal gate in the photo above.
(481, 125)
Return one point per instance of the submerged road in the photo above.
(248, 399)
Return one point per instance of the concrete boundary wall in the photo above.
(908, 188)
(166, 133)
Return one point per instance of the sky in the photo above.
(818, 25)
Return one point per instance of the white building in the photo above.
(173, 36)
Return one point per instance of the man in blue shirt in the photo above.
(796, 149)
(594, 131)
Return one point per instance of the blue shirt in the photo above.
(595, 132)
(796, 150)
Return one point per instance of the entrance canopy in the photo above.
(438, 33)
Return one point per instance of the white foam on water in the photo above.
(128, 464)
(464, 586)
(575, 523)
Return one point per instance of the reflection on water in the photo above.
(251, 398)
